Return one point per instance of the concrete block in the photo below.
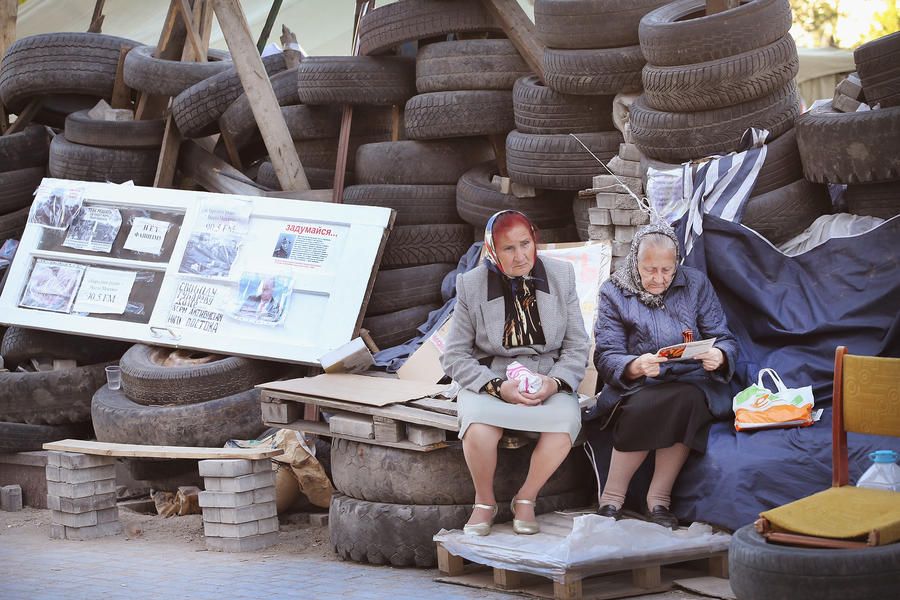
(601, 232)
(11, 498)
(611, 183)
(81, 490)
(85, 519)
(629, 216)
(599, 216)
(625, 233)
(91, 533)
(318, 519)
(76, 460)
(244, 544)
(615, 201)
(625, 168)
(266, 494)
(621, 248)
(241, 514)
(233, 468)
(57, 532)
(281, 412)
(243, 483)
(629, 152)
(388, 430)
(422, 435)
(80, 505)
(845, 104)
(618, 261)
(237, 499)
(850, 87)
(64, 475)
(238, 530)
(360, 426)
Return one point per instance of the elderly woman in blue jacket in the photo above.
(651, 302)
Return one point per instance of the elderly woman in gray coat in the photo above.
(515, 307)
(651, 302)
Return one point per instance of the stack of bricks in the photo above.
(239, 513)
(81, 495)
(848, 94)
(617, 216)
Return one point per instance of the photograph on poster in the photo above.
(56, 207)
(95, 228)
(262, 298)
(210, 255)
(283, 245)
(52, 286)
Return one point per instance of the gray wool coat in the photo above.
(474, 352)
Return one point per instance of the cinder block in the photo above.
(11, 498)
(233, 468)
(80, 505)
(612, 183)
(599, 216)
(237, 499)
(360, 426)
(243, 483)
(601, 232)
(57, 532)
(244, 544)
(76, 460)
(81, 490)
(64, 475)
(629, 152)
(850, 87)
(266, 494)
(234, 530)
(845, 104)
(91, 533)
(625, 233)
(318, 519)
(424, 436)
(629, 216)
(388, 430)
(625, 168)
(613, 200)
(242, 514)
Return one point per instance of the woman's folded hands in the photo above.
(509, 392)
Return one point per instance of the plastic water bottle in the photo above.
(884, 474)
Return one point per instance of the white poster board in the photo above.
(238, 275)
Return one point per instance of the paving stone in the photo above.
(629, 152)
(76, 460)
(80, 505)
(91, 533)
(850, 87)
(629, 216)
(64, 475)
(57, 532)
(85, 519)
(81, 490)
(233, 467)
(842, 103)
(621, 248)
(599, 216)
(243, 483)
(625, 233)
(612, 183)
(613, 200)
(11, 498)
(626, 168)
(601, 232)
(235, 530)
(318, 519)
(237, 499)
(242, 514)
(243, 544)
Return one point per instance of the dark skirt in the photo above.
(661, 415)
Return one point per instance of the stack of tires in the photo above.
(23, 163)
(860, 149)
(41, 406)
(391, 502)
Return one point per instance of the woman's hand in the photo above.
(712, 359)
(509, 392)
(645, 365)
(548, 388)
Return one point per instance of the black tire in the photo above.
(680, 33)
(762, 571)
(781, 214)
(20, 437)
(17, 188)
(723, 82)
(90, 163)
(381, 80)
(601, 72)
(81, 129)
(880, 200)
(878, 67)
(399, 289)
(26, 149)
(21, 345)
(388, 26)
(477, 200)
(50, 397)
(162, 77)
(860, 147)
(392, 475)
(401, 534)
(197, 109)
(542, 110)
(146, 381)
(555, 235)
(581, 211)
(782, 166)
(678, 137)
(411, 246)
(415, 204)
(459, 114)
(394, 328)
(238, 120)
(420, 163)
(590, 23)
(13, 224)
(558, 162)
(319, 179)
(210, 423)
(60, 63)
(469, 65)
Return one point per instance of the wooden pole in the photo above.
(9, 10)
(170, 47)
(520, 31)
(267, 28)
(96, 25)
(263, 102)
(293, 53)
(717, 6)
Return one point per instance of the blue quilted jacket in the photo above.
(626, 328)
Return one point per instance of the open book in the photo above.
(686, 351)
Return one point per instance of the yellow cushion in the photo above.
(841, 513)
(871, 394)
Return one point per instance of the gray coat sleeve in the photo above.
(458, 359)
(573, 354)
(611, 355)
(712, 323)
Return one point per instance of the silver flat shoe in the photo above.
(481, 528)
(523, 527)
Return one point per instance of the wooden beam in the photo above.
(396, 121)
(498, 142)
(168, 155)
(191, 18)
(449, 564)
(267, 28)
(121, 95)
(293, 53)
(96, 25)
(214, 174)
(9, 10)
(142, 451)
(263, 102)
(340, 167)
(24, 117)
(717, 6)
(520, 31)
(169, 47)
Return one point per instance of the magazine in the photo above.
(52, 286)
(687, 350)
(95, 228)
(262, 299)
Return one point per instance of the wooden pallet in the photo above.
(617, 580)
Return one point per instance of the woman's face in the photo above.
(515, 250)
(656, 266)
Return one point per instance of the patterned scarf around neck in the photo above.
(628, 278)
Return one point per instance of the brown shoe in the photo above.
(608, 510)
(663, 516)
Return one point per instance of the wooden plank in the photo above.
(168, 155)
(121, 94)
(520, 31)
(358, 389)
(567, 590)
(396, 121)
(449, 564)
(506, 579)
(293, 54)
(191, 18)
(143, 451)
(647, 577)
(281, 412)
(444, 407)
(96, 25)
(498, 142)
(214, 174)
(717, 6)
(263, 103)
(718, 565)
(234, 155)
(169, 47)
(9, 10)
(340, 167)
(319, 428)
(24, 117)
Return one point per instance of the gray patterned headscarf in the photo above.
(628, 278)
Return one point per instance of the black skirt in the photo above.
(661, 415)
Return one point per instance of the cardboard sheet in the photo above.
(360, 389)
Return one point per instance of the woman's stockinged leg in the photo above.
(480, 449)
(621, 469)
(668, 465)
(551, 450)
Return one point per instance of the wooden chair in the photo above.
(866, 400)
